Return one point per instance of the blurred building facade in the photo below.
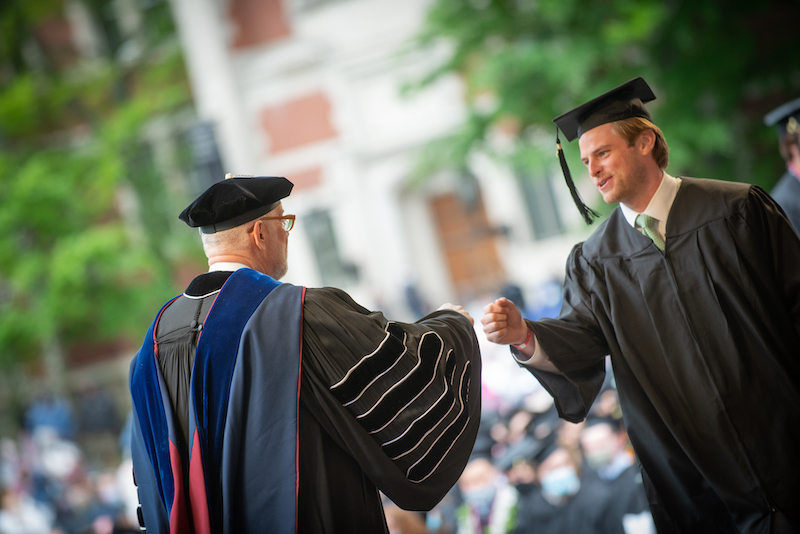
(311, 90)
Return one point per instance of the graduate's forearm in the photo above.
(534, 356)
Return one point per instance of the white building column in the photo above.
(202, 28)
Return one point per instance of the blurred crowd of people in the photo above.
(68, 471)
(531, 472)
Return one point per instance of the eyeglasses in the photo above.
(287, 221)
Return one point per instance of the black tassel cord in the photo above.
(587, 213)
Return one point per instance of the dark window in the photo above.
(205, 163)
(541, 203)
(335, 272)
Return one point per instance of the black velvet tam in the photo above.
(780, 116)
(622, 102)
(235, 201)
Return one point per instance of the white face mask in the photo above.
(600, 459)
(561, 482)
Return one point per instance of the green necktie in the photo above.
(649, 228)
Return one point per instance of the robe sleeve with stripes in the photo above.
(398, 404)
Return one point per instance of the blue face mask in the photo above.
(481, 499)
(561, 482)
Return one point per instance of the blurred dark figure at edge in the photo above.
(607, 454)
(568, 499)
(787, 191)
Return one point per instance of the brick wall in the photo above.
(298, 122)
(258, 22)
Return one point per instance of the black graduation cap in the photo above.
(622, 102)
(547, 446)
(523, 450)
(235, 201)
(785, 118)
(593, 420)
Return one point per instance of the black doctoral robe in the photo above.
(382, 405)
(342, 462)
(705, 344)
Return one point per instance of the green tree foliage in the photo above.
(716, 66)
(85, 247)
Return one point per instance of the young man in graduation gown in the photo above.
(267, 407)
(607, 455)
(786, 120)
(567, 500)
(698, 304)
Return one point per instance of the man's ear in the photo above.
(258, 235)
(646, 141)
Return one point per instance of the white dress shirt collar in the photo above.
(226, 266)
(659, 205)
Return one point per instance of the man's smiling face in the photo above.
(617, 170)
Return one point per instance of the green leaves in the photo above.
(79, 260)
(59, 236)
(716, 67)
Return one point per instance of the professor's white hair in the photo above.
(226, 241)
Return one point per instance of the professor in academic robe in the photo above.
(693, 288)
(786, 120)
(261, 406)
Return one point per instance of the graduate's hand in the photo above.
(503, 324)
(459, 309)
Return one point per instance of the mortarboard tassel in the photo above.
(586, 212)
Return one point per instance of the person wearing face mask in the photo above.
(490, 502)
(567, 502)
(607, 453)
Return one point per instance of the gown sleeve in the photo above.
(402, 398)
(574, 343)
(780, 244)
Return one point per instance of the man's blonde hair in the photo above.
(630, 129)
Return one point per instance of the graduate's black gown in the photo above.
(705, 345)
(787, 194)
(583, 513)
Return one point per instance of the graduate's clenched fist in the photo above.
(502, 323)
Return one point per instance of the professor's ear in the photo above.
(255, 233)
